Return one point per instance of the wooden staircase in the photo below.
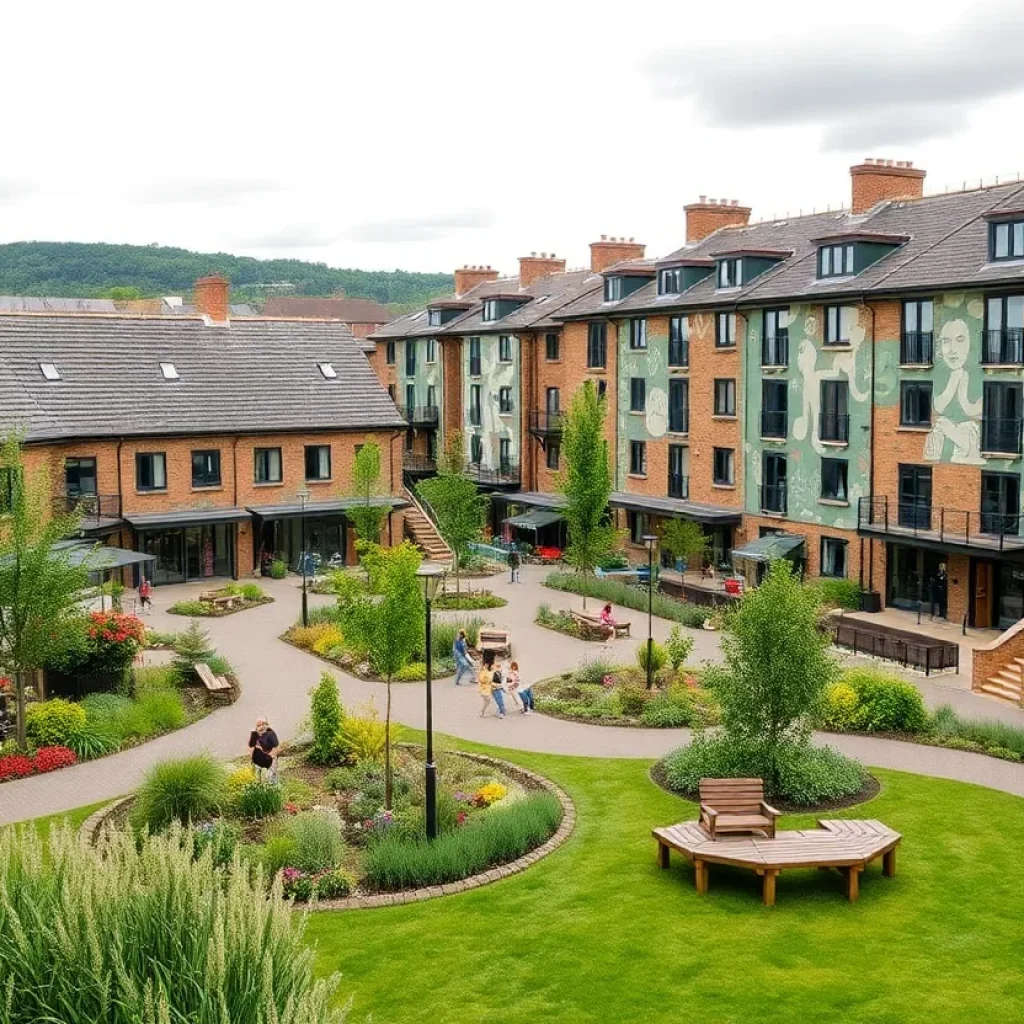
(1008, 682)
(422, 531)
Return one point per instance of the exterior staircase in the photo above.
(998, 666)
(1007, 683)
(423, 532)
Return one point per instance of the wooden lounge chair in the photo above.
(735, 805)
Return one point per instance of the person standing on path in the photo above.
(265, 746)
(146, 595)
(490, 685)
(513, 565)
(463, 662)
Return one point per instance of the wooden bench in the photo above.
(848, 846)
(214, 684)
(594, 622)
(219, 598)
(735, 805)
(497, 640)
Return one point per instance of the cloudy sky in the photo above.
(427, 135)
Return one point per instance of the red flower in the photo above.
(15, 766)
(49, 759)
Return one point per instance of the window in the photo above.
(833, 558)
(391, 392)
(504, 400)
(1006, 240)
(725, 396)
(433, 318)
(602, 388)
(389, 353)
(914, 508)
(730, 273)
(833, 479)
(679, 405)
(168, 370)
(638, 458)
(637, 523)
(915, 403)
(327, 371)
(50, 372)
(637, 394)
(490, 310)
(1004, 333)
(475, 398)
(612, 289)
(431, 350)
(597, 345)
(678, 341)
(725, 330)
(838, 321)
(1000, 503)
(206, 468)
(410, 436)
(267, 465)
(638, 332)
(410, 358)
(318, 462)
(79, 476)
(551, 347)
(476, 449)
(8, 483)
(775, 338)
(410, 399)
(723, 469)
(670, 282)
(773, 490)
(774, 408)
(835, 260)
(474, 357)
(553, 453)
(1001, 417)
(505, 348)
(431, 396)
(505, 454)
(834, 421)
(552, 401)
(916, 336)
(150, 471)
(678, 482)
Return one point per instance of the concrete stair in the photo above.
(1008, 683)
(420, 529)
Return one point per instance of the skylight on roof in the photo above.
(50, 371)
(169, 372)
(328, 371)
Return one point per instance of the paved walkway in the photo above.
(276, 679)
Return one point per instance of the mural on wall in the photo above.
(494, 425)
(651, 364)
(427, 375)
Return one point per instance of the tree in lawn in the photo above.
(686, 540)
(388, 630)
(39, 587)
(777, 666)
(457, 504)
(586, 482)
(366, 515)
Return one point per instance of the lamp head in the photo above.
(430, 576)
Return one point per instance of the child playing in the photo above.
(512, 684)
(523, 690)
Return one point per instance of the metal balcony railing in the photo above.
(506, 472)
(91, 507)
(678, 353)
(916, 348)
(834, 426)
(678, 486)
(545, 422)
(414, 462)
(1000, 435)
(775, 350)
(420, 415)
(773, 498)
(991, 530)
(1004, 347)
(774, 423)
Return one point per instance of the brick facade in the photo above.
(876, 181)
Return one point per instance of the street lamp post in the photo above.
(650, 540)
(430, 578)
(303, 498)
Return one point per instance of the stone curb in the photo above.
(90, 828)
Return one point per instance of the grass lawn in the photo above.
(598, 933)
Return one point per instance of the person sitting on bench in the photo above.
(608, 621)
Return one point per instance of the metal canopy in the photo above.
(678, 508)
(534, 519)
(535, 499)
(336, 506)
(771, 547)
(186, 517)
(100, 558)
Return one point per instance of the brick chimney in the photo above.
(538, 264)
(708, 215)
(614, 250)
(469, 277)
(211, 294)
(875, 181)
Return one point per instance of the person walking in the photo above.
(514, 562)
(146, 595)
(463, 662)
(490, 686)
(264, 746)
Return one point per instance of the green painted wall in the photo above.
(427, 375)
(494, 375)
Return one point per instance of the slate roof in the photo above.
(353, 311)
(30, 304)
(253, 375)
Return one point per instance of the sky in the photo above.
(424, 136)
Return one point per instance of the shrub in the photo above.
(633, 700)
(220, 838)
(220, 666)
(489, 793)
(94, 741)
(278, 570)
(334, 884)
(413, 672)
(183, 789)
(108, 913)
(594, 671)
(316, 836)
(277, 853)
(325, 613)
(153, 677)
(622, 594)
(364, 738)
(478, 600)
(839, 707)
(253, 592)
(53, 722)
(259, 799)
(191, 608)
(163, 710)
(886, 703)
(838, 593)
(496, 837)
(337, 780)
(326, 715)
(991, 736)
(657, 655)
(191, 646)
(678, 648)
(318, 637)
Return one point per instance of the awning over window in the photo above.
(99, 557)
(534, 519)
(314, 509)
(767, 549)
(186, 517)
(677, 508)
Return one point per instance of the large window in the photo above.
(915, 403)
(318, 462)
(775, 338)
(505, 454)
(834, 480)
(475, 410)
(730, 273)
(678, 481)
(151, 471)
(679, 405)
(917, 334)
(638, 332)
(476, 449)
(838, 324)
(79, 476)
(835, 260)
(773, 490)
(725, 396)
(504, 400)
(833, 557)
(490, 310)
(551, 347)
(433, 318)
(1004, 333)
(597, 345)
(410, 358)
(432, 396)
(1000, 503)
(553, 452)
(1001, 417)
(723, 469)
(638, 525)
(670, 281)
(431, 350)
(725, 330)
(267, 465)
(612, 289)
(637, 394)
(474, 357)
(678, 341)
(638, 458)
(774, 408)
(1006, 240)
(389, 353)
(834, 422)
(915, 497)
(505, 348)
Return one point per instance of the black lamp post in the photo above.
(430, 578)
(650, 540)
(303, 496)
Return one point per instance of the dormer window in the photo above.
(670, 281)
(730, 273)
(433, 318)
(612, 289)
(491, 309)
(835, 260)
(1006, 240)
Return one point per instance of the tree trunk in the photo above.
(19, 703)
(455, 562)
(388, 781)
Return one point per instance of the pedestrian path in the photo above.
(276, 680)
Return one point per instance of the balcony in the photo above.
(774, 423)
(943, 527)
(775, 350)
(546, 423)
(1001, 436)
(678, 486)
(773, 498)
(1003, 347)
(507, 472)
(916, 348)
(94, 509)
(420, 415)
(834, 427)
(418, 464)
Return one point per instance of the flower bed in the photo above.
(248, 595)
(468, 601)
(44, 759)
(627, 596)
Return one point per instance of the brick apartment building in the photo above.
(851, 380)
(203, 441)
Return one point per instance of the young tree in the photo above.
(326, 714)
(684, 539)
(777, 665)
(457, 504)
(390, 629)
(39, 587)
(586, 482)
(367, 516)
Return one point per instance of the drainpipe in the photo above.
(234, 502)
(871, 449)
(391, 456)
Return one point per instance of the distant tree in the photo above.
(684, 539)
(124, 293)
(40, 589)
(586, 482)
(367, 517)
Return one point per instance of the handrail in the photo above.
(89, 506)
(983, 529)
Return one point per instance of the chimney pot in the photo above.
(614, 249)
(910, 163)
(703, 199)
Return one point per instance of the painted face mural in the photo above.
(954, 344)
(958, 422)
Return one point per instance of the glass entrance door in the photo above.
(911, 572)
(1010, 594)
(208, 551)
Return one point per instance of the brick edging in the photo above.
(90, 828)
